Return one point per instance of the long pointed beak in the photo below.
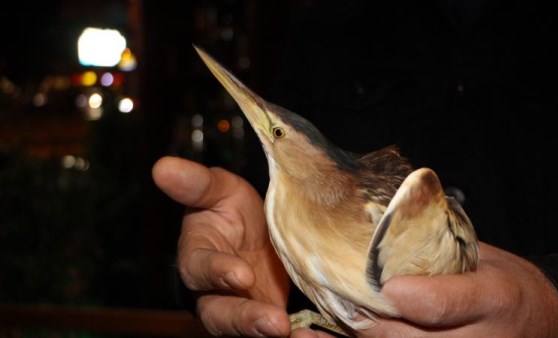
(252, 105)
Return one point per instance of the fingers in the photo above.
(230, 315)
(433, 301)
(222, 245)
(193, 184)
(234, 200)
(452, 300)
(206, 269)
(212, 237)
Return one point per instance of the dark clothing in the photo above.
(468, 90)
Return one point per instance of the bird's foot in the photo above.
(306, 318)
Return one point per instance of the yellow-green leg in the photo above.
(306, 318)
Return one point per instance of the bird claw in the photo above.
(307, 318)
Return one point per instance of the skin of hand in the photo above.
(224, 253)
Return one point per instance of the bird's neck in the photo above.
(324, 186)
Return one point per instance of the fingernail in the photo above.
(232, 281)
(265, 327)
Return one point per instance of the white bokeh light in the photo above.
(100, 47)
(95, 100)
(125, 105)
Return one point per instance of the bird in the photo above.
(342, 223)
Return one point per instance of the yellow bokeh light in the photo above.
(88, 78)
(127, 60)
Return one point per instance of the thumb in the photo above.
(441, 301)
(193, 184)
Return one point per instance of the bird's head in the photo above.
(292, 144)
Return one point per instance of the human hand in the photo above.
(506, 297)
(224, 251)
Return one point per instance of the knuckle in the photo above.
(189, 281)
(207, 316)
(200, 271)
(189, 272)
(219, 318)
(193, 263)
(241, 318)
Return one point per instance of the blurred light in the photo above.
(81, 164)
(85, 165)
(197, 136)
(93, 114)
(100, 47)
(88, 78)
(237, 127)
(68, 161)
(197, 121)
(125, 105)
(117, 79)
(95, 100)
(81, 101)
(197, 140)
(75, 162)
(237, 122)
(107, 79)
(46, 84)
(76, 79)
(93, 109)
(61, 82)
(223, 126)
(6, 85)
(39, 99)
(127, 61)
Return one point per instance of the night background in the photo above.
(82, 224)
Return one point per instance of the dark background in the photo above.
(106, 235)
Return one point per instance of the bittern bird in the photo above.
(344, 224)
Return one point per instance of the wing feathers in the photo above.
(421, 232)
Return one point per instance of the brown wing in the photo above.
(422, 232)
(382, 172)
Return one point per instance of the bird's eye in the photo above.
(278, 132)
